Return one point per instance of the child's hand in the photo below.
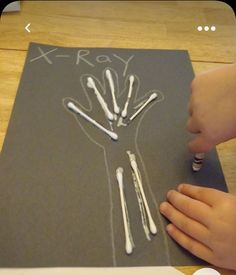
(212, 108)
(203, 221)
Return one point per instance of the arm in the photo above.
(212, 108)
(203, 220)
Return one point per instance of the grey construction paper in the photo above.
(59, 197)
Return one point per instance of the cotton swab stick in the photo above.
(128, 237)
(141, 208)
(108, 113)
(131, 82)
(149, 100)
(197, 161)
(111, 83)
(75, 109)
(134, 166)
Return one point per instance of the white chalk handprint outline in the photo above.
(123, 112)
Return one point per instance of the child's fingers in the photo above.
(193, 246)
(207, 195)
(192, 208)
(200, 144)
(184, 223)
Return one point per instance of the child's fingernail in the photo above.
(180, 187)
(169, 193)
(169, 227)
(162, 207)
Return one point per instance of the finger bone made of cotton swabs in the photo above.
(76, 110)
(128, 223)
(91, 84)
(112, 88)
(131, 82)
(134, 166)
(152, 97)
(143, 99)
(129, 244)
(141, 208)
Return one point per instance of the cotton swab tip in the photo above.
(72, 106)
(124, 113)
(153, 96)
(110, 116)
(116, 109)
(131, 78)
(128, 248)
(90, 82)
(153, 227)
(108, 73)
(113, 135)
(119, 176)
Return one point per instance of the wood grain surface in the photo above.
(121, 24)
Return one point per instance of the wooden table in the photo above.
(124, 24)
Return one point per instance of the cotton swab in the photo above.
(131, 82)
(108, 113)
(75, 109)
(134, 166)
(141, 208)
(149, 100)
(129, 245)
(111, 83)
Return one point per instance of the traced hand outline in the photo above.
(114, 116)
